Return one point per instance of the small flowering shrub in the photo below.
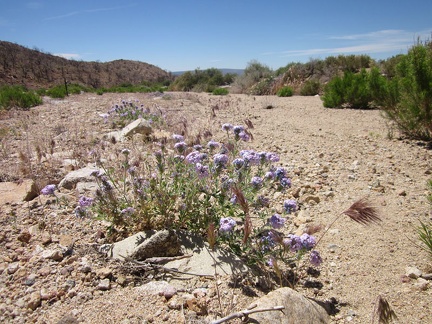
(130, 110)
(215, 188)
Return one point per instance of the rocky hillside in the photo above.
(35, 69)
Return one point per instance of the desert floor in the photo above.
(337, 156)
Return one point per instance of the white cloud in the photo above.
(68, 56)
(74, 13)
(381, 41)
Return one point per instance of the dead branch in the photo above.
(244, 314)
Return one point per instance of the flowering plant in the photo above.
(198, 186)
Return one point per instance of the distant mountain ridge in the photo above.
(224, 71)
(34, 69)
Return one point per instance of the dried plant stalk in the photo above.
(384, 312)
(247, 229)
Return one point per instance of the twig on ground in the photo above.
(147, 265)
(244, 314)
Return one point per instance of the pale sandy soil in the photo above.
(350, 153)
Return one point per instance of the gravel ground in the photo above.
(335, 157)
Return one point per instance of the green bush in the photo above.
(220, 91)
(356, 90)
(200, 80)
(310, 88)
(412, 93)
(285, 92)
(17, 96)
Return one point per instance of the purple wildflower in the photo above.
(237, 129)
(227, 183)
(308, 241)
(250, 156)
(213, 145)
(244, 136)
(233, 199)
(272, 157)
(277, 221)
(280, 173)
(267, 242)
(227, 127)
(193, 157)
(270, 262)
(198, 147)
(180, 146)
(290, 206)
(269, 175)
(127, 211)
(220, 160)
(85, 201)
(238, 163)
(178, 138)
(132, 170)
(315, 258)
(263, 201)
(227, 224)
(293, 242)
(285, 182)
(202, 170)
(48, 189)
(256, 182)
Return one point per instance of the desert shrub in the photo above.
(356, 90)
(310, 88)
(17, 96)
(254, 73)
(412, 109)
(57, 92)
(262, 88)
(200, 80)
(220, 91)
(285, 92)
(334, 93)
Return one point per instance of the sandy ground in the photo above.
(338, 156)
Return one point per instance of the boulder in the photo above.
(297, 309)
(81, 175)
(11, 192)
(139, 126)
(199, 259)
(147, 244)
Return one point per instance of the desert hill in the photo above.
(35, 69)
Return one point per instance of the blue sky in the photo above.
(180, 35)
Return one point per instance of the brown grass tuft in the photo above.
(362, 212)
(384, 312)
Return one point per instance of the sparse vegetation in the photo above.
(17, 96)
(411, 92)
(220, 91)
(360, 90)
(285, 92)
(201, 80)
